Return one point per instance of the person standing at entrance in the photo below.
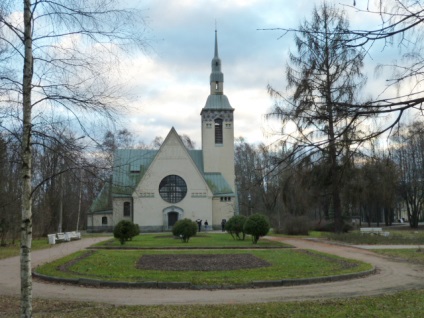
(206, 225)
(199, 224)
(223, 222)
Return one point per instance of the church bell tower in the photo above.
(218, 126)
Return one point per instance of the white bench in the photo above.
(62, 237)
(73, 235)
(51, 238)
(373, 230)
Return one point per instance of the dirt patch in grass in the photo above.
(200, 262)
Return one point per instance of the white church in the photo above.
(156, 188)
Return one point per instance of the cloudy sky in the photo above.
(171, 82)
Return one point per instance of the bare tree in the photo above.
(324, 75)
(9, 189)
(248, 176)
(409, 156)
(67, 50)
(401, 25)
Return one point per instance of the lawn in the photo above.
(409, 255)
(402, 304)
(201, 240)
(120, 265)
(405, 237)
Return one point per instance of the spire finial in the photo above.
(216, 42)
(216, 78)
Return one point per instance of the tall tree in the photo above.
(324, 75)
(400, 25)
(65, 51)
(248, 176)
(409, 156)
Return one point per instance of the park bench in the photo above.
(373, 230)
(73, 235)
(63, 237)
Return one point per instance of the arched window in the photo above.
(127, 209)
(218, 131)
(104, 220)
(172, 189)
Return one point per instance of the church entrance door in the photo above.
(172, 218)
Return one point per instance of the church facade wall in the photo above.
(151, 210)
(118, 210)
(100, 222)
(152, 214)
(222, 210)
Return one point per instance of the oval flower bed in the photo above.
(240, 267)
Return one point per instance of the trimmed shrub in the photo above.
(125, 231)
(256, 225)
(184, 229)
(235, 226)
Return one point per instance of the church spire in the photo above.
(217, 77)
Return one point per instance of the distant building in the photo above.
(155, 188)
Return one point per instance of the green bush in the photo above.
(184, 229)
(125, 231)
(235, 225)
(257, 226)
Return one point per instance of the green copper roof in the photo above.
(103, 201)
(217, 102)
(129, 167)
(197, 156)
(218, 184)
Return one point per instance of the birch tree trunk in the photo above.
(26, 222)
(70, 78)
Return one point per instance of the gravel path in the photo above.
(392, 276)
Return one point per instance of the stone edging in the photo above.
(188, 248)
(186, 285)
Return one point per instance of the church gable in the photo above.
(172, 159)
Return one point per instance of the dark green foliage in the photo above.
(295, 225)
(330, 227)
(184, 229)
(125, 231)
(235, 226)
(256, 225)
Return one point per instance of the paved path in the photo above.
(391, 277)
(399, 247)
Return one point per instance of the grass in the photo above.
(409, 255)
(402, 304)
(14, 250)
(396, 237)
(119, 265)
(201, 240)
